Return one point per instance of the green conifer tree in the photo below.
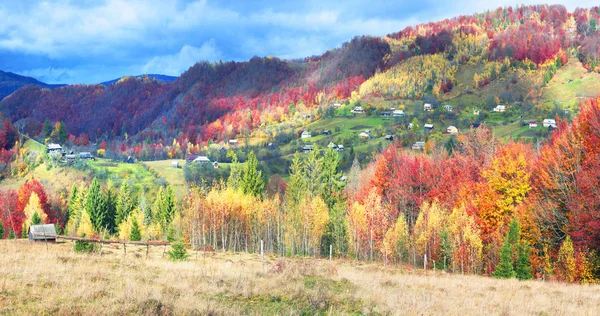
(1, 230)
(125, 203)
(136, 234)
(11, 233)
(62, 133)
(35, 219)
(252, 180)
(504, 269)
(523, 270)
(95, 206)
(178, 252)
(110, 200)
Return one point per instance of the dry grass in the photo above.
(34, 280)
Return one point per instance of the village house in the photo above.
(54, 148)
(386, 114)
(358, 110)
(398, 113)
(86, 155)
(70, 158)
(389, 137)
(364, 135)
(337, 105)
(340, 147)
(428, 127)
(500, 108)
(452, 130)
(175, 164)
(549, 123)
(233, 142)
(448, 107)
(202, 159)
(305, 134)
(332, 145)
(326, 132)
(307, 148)
(418, 146)
(216, 165)
(475, 112)
(533, 124)
(427, 107)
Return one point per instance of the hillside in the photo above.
(10, 82)
(161, 78)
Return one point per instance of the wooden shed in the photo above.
(41, 232)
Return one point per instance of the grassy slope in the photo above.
(571, 83)
(57, 281)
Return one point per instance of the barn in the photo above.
(42, 232)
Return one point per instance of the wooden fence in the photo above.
(109, 241)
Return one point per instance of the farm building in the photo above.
(418, 146)
(37, 232)
(533, 124)
(85, 155)
(129, 159)
(358, 110)
(307, 148)
(175, 164)
(500, 108)
(364, 135)
(305, 134)
(428, 127)
(398, 113)
(233, 142)
(452, 130)
(427, 107)
(389, 137)
(202, 159)
(54, 148)
(549, 123)
(386, 114)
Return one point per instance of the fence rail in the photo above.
(107, 241)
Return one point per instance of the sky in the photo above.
(91, 41)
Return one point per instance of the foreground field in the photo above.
(34, 280)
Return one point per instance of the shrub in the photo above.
(178, 252)
(84, 247)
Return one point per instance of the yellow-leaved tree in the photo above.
(34, 206)
(464, 235)
(396, 240)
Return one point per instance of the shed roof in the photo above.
(43, 229)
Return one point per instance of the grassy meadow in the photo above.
(34, 280)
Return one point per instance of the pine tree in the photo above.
(95, 206)
(145, 209)
(125, 203)
(110, 200)
(47, 128)
(178, 253)
(504, 269)
(136, 234)
(72, 204)
(252, 180)
(523, 270)
(235, 174)
(11, 233)
(36, 220)
(165, 205)
(1, 230)
(62, 133)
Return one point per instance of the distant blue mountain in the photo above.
(163, 78)
(11, 82)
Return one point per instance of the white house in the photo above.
(202, 159)
(337, 105)
(418, 146)
(549, 122)
(452, 130)
(54, 148)
(398, 113)
(475, 112)
(358, 110)
(305, 134)
(448, 107)
(427, 107)
(428, 127)
(533, 124)
(233, 142)
(364, 135)
(500, 108)
(340, 148)
(332, 145)
(175, 164)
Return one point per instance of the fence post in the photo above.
(124, 249)
(425, 263)
(330, 253)
(262, 252)
(147, 248)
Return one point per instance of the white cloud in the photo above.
(177, 63)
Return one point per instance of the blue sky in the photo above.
(90, 41)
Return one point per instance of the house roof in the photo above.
(85, 154)
(202, 159)
(43, 229)
(428, 126)
(306, 133)
(54, 146)
(363, 135)
(332, 145)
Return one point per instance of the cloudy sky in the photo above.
(90, 41)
